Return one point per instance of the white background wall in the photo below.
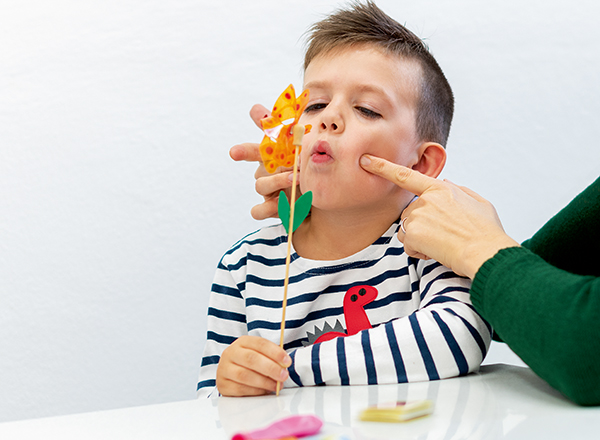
(117, 194)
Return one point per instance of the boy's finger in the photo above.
(404, 177)
(234, 389)
(268, 349)
(242, 377)
(253, 364)
(248, 151)
(258, 112)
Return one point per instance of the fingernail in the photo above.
(365, 161)
(284, 375)
(291, 177)
(287, 360)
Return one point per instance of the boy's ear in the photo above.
(432, 158)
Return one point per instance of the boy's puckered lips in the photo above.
(321, 152)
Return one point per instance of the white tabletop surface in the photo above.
(501, 401)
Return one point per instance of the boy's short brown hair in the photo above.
(365, 23)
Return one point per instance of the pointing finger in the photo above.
(258, 112)
(249, 152)
(404, 177)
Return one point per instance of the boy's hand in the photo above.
(267, 185)
(251, 366)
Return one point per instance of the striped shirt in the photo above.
(424, 326)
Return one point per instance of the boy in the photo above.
(359, 310)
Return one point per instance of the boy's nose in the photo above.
(333, 126)
(331, 120)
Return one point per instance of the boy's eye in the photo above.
(315, 107)
(368, 113)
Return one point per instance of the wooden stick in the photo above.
(298, 131)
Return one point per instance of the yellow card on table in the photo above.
(397, 411)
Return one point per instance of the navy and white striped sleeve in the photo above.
(226, 322)
(444, 338)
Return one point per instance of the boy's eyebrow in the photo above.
(316, 85)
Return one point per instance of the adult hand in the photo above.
(267, 185)
(449, 223)
(251, 366)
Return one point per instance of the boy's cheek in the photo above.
(394, 154)
(307, 141)
(304, 119)
(303, 159)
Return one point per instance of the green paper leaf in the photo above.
(301, 210)
(283, 210)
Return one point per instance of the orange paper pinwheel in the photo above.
(277, 148)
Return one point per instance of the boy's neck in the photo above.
(327, 235)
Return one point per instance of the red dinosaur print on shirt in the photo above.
(356, 318)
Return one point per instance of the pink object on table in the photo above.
(293, 426)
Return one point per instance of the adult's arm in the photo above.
(549, 316)
(573, 232)
(545, 302)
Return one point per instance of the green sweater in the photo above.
(543, 299)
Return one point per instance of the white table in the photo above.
(501, 401)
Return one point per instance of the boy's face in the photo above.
(361, 101)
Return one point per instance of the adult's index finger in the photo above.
(258, 112)
(250, 152)
(402, 176)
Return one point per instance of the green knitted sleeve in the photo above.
(549, 317)
(571, 239)
(543, 299)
